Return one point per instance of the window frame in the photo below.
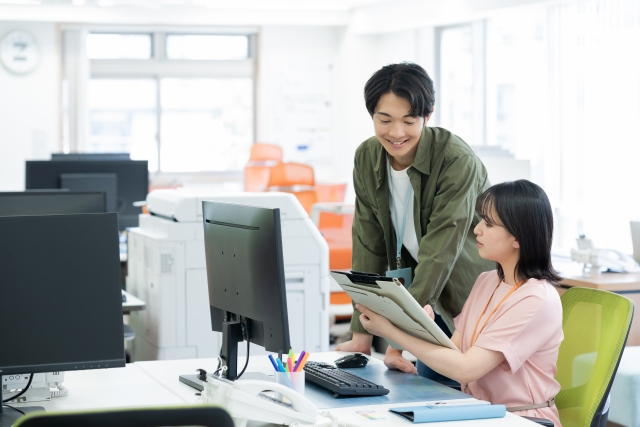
(158, 66)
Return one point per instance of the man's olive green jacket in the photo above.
(447, 178)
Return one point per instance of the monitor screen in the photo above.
(51, 203)
(245, 272)
(60, 288)
(132, 181)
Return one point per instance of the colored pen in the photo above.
(292, 355)
(290, 365)
(295, 367)
(280, 365)
(273, 362)
(304, 362)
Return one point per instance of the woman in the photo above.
(510, 329)
(419, 183)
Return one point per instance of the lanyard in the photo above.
(474, 338)
(399, 233)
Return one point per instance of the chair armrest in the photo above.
(331, 207)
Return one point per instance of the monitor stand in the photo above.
(9, 416)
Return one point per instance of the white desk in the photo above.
(109, 388)
(132, 303)
(166, 372)
(156, 383)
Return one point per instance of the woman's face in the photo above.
(495, 243)
(397, 131)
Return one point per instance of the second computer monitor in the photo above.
(51, 203)
(132, 181)
(245, 273)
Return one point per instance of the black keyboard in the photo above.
(340, 382)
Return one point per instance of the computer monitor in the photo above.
(51, 203)
(245, 275)
(90, 156)
(132, 176)
(60, 290)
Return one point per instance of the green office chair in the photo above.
(595, 325)
(200, 415)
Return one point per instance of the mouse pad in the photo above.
(403, 388)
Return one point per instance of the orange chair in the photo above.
(334, 220)
(257, 171)
(295, 178)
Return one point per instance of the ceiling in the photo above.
(291, 5)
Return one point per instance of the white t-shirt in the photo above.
(399, 187)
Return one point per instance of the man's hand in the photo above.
(394, 360)
(360, 343)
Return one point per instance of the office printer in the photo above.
(166, 268)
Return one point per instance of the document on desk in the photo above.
(403, 388)
(390, 299)
(432, 413)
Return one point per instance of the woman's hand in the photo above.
(430, 312)
(374, 323)
(393, 360)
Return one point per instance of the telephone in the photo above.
(245, 400)
(595, 258)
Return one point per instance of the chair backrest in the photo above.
(265, 152)
(200, 415)
(595, 325)
(291, 174)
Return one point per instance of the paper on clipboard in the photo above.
(391, 300)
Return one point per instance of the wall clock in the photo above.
(19, 52)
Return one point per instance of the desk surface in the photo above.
(156, 383)
(132, 303)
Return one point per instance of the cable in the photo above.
(15, 409)
(245, 335)
(24, 390)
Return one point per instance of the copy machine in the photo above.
(166, 268)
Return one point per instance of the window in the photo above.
(206, 47)
(561, 89)
(185, 106)
(456, 80)
(206, 124)
(119, 46)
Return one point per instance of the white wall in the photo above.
(28, 107)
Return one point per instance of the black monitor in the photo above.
(132, 181)
(60, 290)
(51, 203)
(245, 273)
(90, 156)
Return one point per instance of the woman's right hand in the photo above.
(393, 360)
(429, 311)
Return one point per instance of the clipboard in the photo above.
(387, 297)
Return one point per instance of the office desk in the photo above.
(156, 383)
(109, 388)
(132, 303)
(166, 372)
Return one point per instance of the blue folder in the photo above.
(431, 413)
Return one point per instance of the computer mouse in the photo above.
(355, 360)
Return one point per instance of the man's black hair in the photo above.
(523, 209)
(406, 80)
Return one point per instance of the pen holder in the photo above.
(293, 380)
